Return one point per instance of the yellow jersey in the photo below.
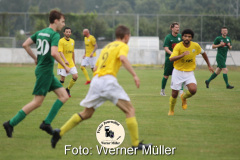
(108, 62)
(90, 43)
(67, 48)
(188, 62)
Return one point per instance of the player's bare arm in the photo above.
(63, 57)
(205, 57)
(73, 57)
(179, 57)
(26, 45)
(55, 54)
(229, 45)
(94, 50)
(218, 45)
(167, 50)
(128, 66)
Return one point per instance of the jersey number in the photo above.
(43, 47)
(104, 58)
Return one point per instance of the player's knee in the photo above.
(193, 91)
(75, 77)
(63, 98)
(37, 103)
(225, 70)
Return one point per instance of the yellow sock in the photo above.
(71, 83)
(85, 73)
(133, 130)
(72, 122)
(187, 95)
(172, 102)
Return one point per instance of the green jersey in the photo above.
(222, 51)
(44, 40)
(170, 42)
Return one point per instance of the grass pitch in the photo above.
(209, 129)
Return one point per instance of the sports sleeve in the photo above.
(176, 50)
(202, 51)
(60, 46)
(34, 37)
(216, 41)
(123, 51)
(166, 42)
(93, 40)
(55, 39)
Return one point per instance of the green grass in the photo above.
(208, 130)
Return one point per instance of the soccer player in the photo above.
(66, 50)
(89, 57)
(170, 41)
(46, 41)
(222, 43)
(104, 86)
(184, 57)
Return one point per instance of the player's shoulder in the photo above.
(72, 40)
(92, 37)
(168, 36)
(195, 43)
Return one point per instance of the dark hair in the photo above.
(224, 28)
(67, 28)
(188, 31)
(54, 14)
(173, 25)
(121, 31)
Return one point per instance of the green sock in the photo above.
(53, 112)
(214, 75)
(225, 77)
(17, 118)
(164, 82)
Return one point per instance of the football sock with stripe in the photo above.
(72, 122)
(187, 95)
(17, 118)
(53, 112)
(214, 75)
(164, 82)
(172, 102)
(85, 73)
(62, 82)
(225, 77)
(133, 130)
(71, 83)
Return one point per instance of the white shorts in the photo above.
(179, 77)
(102, 89)
(89, 61)
(63, 72)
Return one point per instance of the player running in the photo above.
(104, 86)
(66, 50)
(47, 51)
(184, 57)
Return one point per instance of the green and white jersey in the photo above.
(44, 40)
(224, 49)
(170, 42)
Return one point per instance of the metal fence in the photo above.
(206, 27)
